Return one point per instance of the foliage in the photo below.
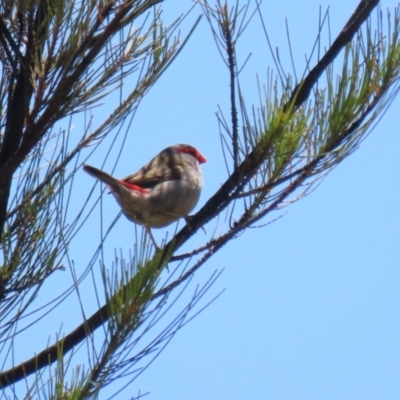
(59, 61)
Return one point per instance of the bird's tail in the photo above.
(102, 176)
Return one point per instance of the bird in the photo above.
(164, 190)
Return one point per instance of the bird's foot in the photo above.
(148, 230)
(188, 220)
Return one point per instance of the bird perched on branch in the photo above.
(163, 191)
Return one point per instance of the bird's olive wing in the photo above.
(164, 167)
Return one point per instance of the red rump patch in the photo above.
(134, 187)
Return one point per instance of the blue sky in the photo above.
(310, 303)
(310, 309)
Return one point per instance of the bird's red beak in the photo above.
(200, 158)
(191, 150)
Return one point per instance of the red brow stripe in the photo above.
(134, 187)
(191, 150)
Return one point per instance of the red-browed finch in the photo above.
(163, 191)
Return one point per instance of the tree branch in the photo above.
(302, 91)
(214, 206)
